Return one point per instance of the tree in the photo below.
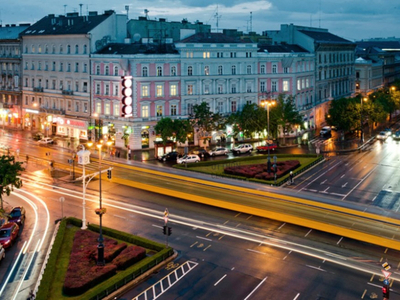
(252, 118)
(205, 121)
(182, 128)
(285, 115)
(344, 113)
(10, 170)
(173, 130)
(165, 128)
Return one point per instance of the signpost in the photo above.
(62, 199)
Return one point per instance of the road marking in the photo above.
(259, 252)
(157, 226)
(200, 237)
(297, 296)
(121, 217)
(287, 255)
(248, 218)
(376, 285)
(363, 295)
(325, 191)
(248, 296)
(206, 247)
(308, 233)
(374, 198)
(237, 215)
(280, 227)
(215, 284)
(344, 185)
(316, 268)
(365, 177)
(342, 176)
(323, 181)
(336, 194)
(339, 241)
(193, 244)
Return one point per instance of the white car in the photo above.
(382, 135)
(190, 158)
(218, 151)
(244, 148)
(2, 253)
(46, 140)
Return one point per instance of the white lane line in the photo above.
(215, 284)
(312, 181)
(316, 268)
(344, 185)
(297, 296)
(203, 238)
(336, 194)
(157, 226)
(287, 255)
(280, 227)
(323, 181)
(342, 176)
(248, 296)
(308, 233)
(259, 252)
(365, 177)
(339, 241)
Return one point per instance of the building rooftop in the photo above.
(11, 32)
(321, 36)
(213, 37)
(72, 23)
(138, 48)
(281, 48)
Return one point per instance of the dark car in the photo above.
(201, 152)
(171, 156)
(38, 136)
(8, 234)
(17, 215)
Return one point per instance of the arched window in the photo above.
(76, 49)
(144, 72)
(248, 69)
(115, 70)
(190, 71)
(97, 70)
(220, 70)
(262, 70)
(233, 70)
(106, 70)
(159, 71)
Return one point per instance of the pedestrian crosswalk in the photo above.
(388, 199)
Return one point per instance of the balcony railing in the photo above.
(67, 92)
(38, 89)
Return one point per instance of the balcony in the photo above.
(53, 111)
(38, 89)
(67, 92)
(8, 105)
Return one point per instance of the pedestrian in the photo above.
(17, 153)
(291, 177)
(27, 159)
(129, 154)
(31, 296)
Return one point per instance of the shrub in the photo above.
(129, 256)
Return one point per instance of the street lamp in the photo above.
(100, 212)
(365, 99)
(268, 103)
(84, 159)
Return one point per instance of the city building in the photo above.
(56, 69)
(11, 72)
(334, 63)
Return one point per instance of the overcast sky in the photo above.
(350, 19)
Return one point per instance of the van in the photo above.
(325, 131)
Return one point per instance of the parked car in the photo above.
(388, 131)
(8, 234)
(382, 135)
(38, 136)
(266, 146)
(170, 156)
(325, 131)
(190, 158)
(17, 215)
(396, 135)
(218, 151)
(244, 148)
(46, 140)
(201, 152)
(2, 253)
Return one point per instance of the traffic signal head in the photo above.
(169, 231)
(385, 291)
(164, 230)
(109, 173)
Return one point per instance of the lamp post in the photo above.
(84, 159)
(268, 103)
(361, 119)
(100, 247)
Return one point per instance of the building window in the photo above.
(233, 106)
(76, 86)
(115, 70)
(173, 90)
(159, 71)
(85, 85)
(85, 107)
(116, 109)
(274, 86)
(144, 72)
(285, 85)
(190, 109)
(107, 70)
(248, 70)
(220, 89)
(206, 70)
(107, 109)
(98, 88)
(206, 89)
(76, 49)
(190, 89)
(116, 90)
(233, 70)
(220, 106)
(76, 106)
(76, 67)
(274, 69)
(262, 69)
(84, 49)
(107, 90)
(61, 85)
(53, 84)
(159, 110)
(206, 54)
(286, 70)
(248, 88)
(85, 68)
(98, 108)
(145, 91)
(262, 86)
(173, 71)
(97, 70)
(68, 49)
(220, 70)
(61, 49)
(190, 71)
(233, 88)
(68, 67)
(145, 111)
(173, 109)
(298, 84)
(159, 90)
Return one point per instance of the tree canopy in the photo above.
(10, 170)
(205, 121)
(173, 130)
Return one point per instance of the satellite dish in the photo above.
(136, 37)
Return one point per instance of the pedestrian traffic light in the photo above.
(109, 173)
(385, 291)
(164, 229)
(169, 231)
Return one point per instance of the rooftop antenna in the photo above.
(217, 17)
(127, 11)
(65, 9)
(251, 21)
(319, 13)
(80, 9)
(146, 13)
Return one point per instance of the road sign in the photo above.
(386, 266)
(166, 213)
(386, 273)
(386, 281)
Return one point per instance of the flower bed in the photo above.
(83, 273)
(260, 171)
